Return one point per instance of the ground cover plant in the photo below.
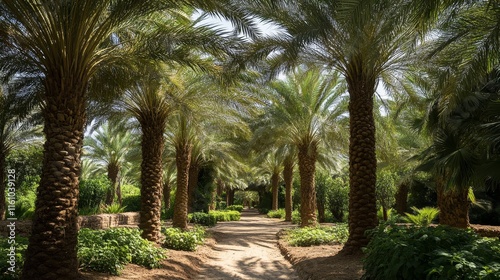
(184, 240)
(311, 236)
(225, 216)
(21, 244)
(441, 252)
(110, 250)
(278, 214)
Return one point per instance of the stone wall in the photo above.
(101, 221)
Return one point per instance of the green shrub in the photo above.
(21, 244)
(225, 216)
(423, 217)
(93, 192)
(131, 198)
(114, 208)
(278, 214)
(201, 218)
(430, 253)
(238, 208)
(296, 217)
(263, 210)
(178, 239)
(310, 236)
(110, 250)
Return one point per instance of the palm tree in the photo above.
(301, 111)
(65, 44)
(110, 145)
(364, 41)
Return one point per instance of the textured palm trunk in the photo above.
(166, 195)
(321, 211)
(288, 178)
(151, 179)
(402, 198)
(113, 170)
(194, 171)
(274, 186)
(229, 197)
(453, 207)
(51, 252)
(183, 160)
(307, 168)
(3, 184)
(362, 161)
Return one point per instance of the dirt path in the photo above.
(247, 249)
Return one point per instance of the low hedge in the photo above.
(179, 239)
(238, 208)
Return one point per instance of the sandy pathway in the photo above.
(247, 249)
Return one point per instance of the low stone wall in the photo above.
(101, 221)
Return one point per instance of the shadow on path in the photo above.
(247, 249)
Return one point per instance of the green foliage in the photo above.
(110, 250)
(338, 199)
(422, 217)
(93, 192)
(114, 208)
(310, 236)
(201, 218)
(238, 208)
(386, 188)
(178, 239)
(430, 253)
(225, 216)
(21, 244)
(132, 203)
(296, 217)
(27, 161)
(279, 214)
(263, 210)
(392, 215)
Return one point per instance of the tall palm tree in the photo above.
(64, 44)
(364, 41)
(301, 111)
(110, 145)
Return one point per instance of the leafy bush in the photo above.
(310, 236)
(178, 239)
(238, 208)
(93, 192)
(392, 215)
(114, 208)
(263, 210)
(430, 253)
(338, 198)
(110, 250)
(21, 244)
(423, 217)
(201, 218)
(225, 216)
(279, 214)
(296, 217)
(131, 198)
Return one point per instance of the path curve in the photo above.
(247, 249)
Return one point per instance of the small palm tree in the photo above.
(109, 146)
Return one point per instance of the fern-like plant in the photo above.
(422, 217)
(114, 208)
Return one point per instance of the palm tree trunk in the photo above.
(183, 160)
(166, 195)
(307, 168)
(213, 199)
(194, 171)
(288, 177)
(274, 186)
(229, 197)
(151, 180)
(362, 160)
(453, 207)
(3, 184)
(51, 252)
(402, 198)
(113, 170)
